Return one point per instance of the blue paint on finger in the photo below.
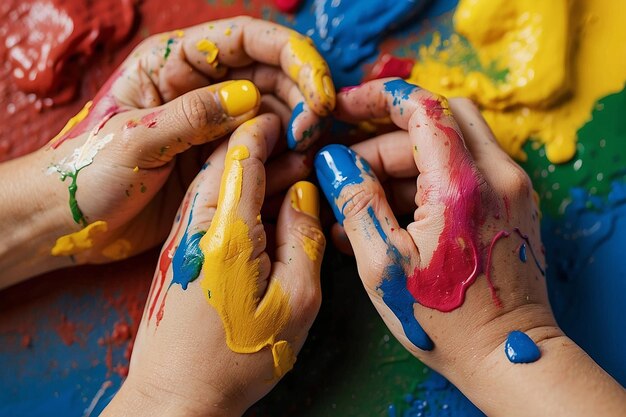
(188, 258)
(400, 90)
(520, 348)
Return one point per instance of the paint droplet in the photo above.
(136, 169)
(520, 348)
(522, 253)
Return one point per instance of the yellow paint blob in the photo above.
(79, 241)
(239, 97)
(228, 31)
(136, 169)
(304, 55)
(535, 68)
(80, 116)
(230, 281)
(209, 49)
(120, 249)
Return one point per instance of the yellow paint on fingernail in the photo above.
(79, 241)
(231, 276)
(136, 169)
(209, 49)
(319, 84)
(79, 117)
(120, 249)
(239, 97)
(305, 198)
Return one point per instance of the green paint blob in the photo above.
(600, 158)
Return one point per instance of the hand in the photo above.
(117, 161)
(223, 323)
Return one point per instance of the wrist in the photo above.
(31, 218)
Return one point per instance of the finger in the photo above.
(155, 136)
(239, 41)
(384, 252)
(300, 247)
(389, 155)
(304, 126)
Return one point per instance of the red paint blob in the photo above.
(287, 6)
(390, 66)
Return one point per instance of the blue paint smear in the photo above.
(400, 90)
(347, 33)
(336, 167)
(522, 253)
(396, 294)
(586, 274)
(436, 397)
(292, 142)
(188, 258)
(520, 348)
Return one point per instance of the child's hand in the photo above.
(223, 322)
(119, 162)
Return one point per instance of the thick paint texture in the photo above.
(231, 276)
(336, 167)
(520, 348)
(515, 58)
(188, 258)
(78, 241)
(209, 49)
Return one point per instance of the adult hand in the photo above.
(117, 161)
(465, 279)
(223, 322)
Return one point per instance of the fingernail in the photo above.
(239, 97)
(305, 198)
(336, 166)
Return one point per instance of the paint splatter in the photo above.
(520, 348)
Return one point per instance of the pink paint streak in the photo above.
(494, 295)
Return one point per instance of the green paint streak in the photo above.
(600, 158)
(77, 214)
(168, 49)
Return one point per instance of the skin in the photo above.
(469, 340)
(182, 366)
(153, 108)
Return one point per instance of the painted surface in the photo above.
(520, 348)
(231, 276)
(353, 366)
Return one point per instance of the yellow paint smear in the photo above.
(230, 281)
(78, 241)
(305, 55)
(209, 49)
(80, 116)
(120, 249)
(558, 60)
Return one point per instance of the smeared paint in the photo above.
(78, 241)
(515, 60)
(494, 294)
(119, 249)
(188, 258)
(522, 253)
(210, 51)
(304, 55)
(400, 90)
(230, 279)
(520, 348)
(391, 66)
(395, 293)
(337, 167)
(79, 117)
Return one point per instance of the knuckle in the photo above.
(356, 201)
(196, 111)
(312, 240)
(518, 182)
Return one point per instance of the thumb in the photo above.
(156, 135)
(384, 252)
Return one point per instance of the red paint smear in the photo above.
(165, 262)
(390, 66)
(67, 331)
(150, 119)
(456, 261)
(494, 295)
(433, 107)
(287, 6)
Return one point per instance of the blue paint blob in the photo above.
(292, 142)
(336, 167)
(188, 258)
(400, 90)
(522, 253)
(396, 294)
(520, 348)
